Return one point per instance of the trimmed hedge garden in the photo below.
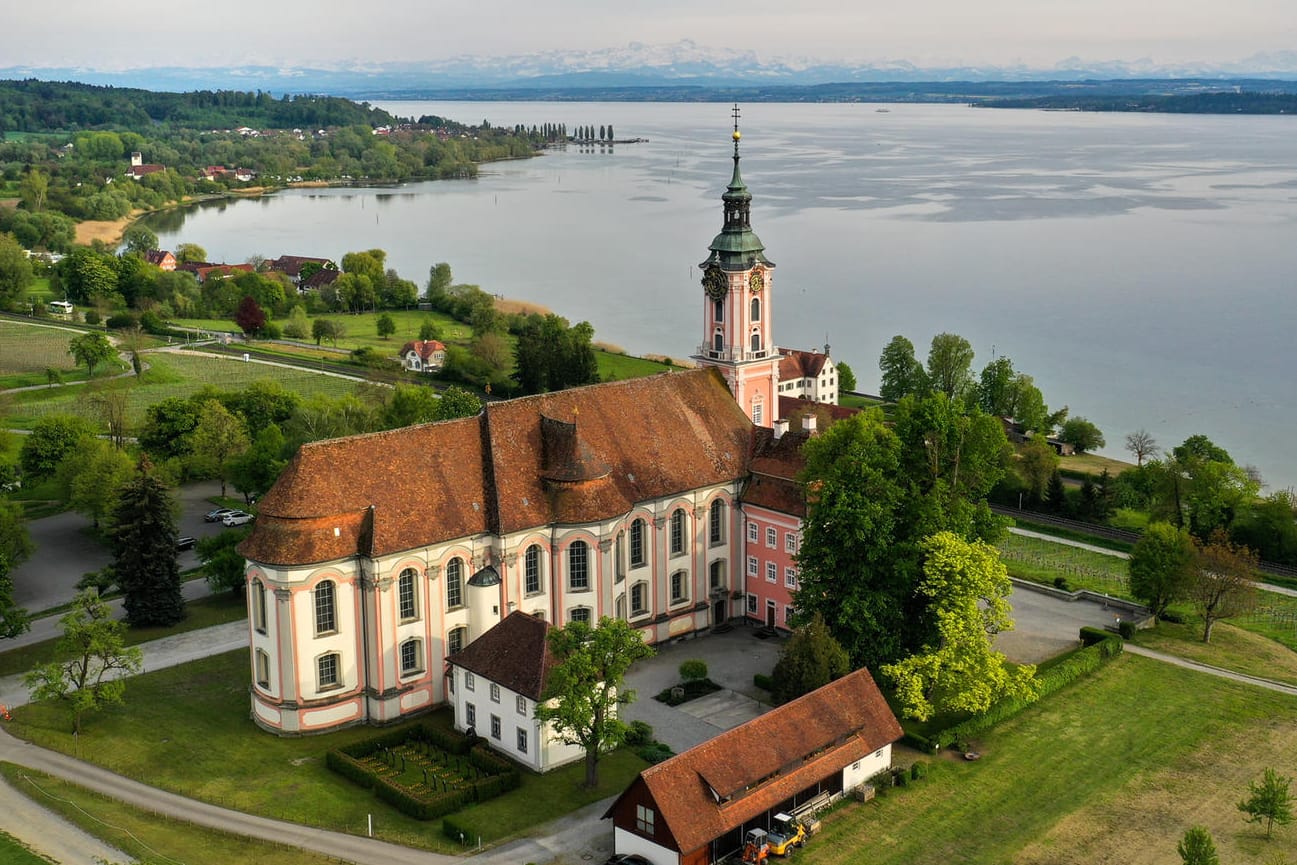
(426, 772)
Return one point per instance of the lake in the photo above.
(1140, 267)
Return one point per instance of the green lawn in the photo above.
(170, 374)
(202, 613)
(615, 367)
(1112, 769)
(1231, 648)
(140, 833)
(187, 729)
(852, 401)
(13, 852)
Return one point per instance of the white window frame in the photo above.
(772, 572)
(325, 596)
(470, 681)
(328, 683)
(407, 590)
(677, 544)
(495, 692)
(638, 547)
(754, 533)
(455, 583)
(263, 670)
(790, 542)
(753, 566)
(520, 705)
(578, 567)
(790, 577)
(716, 522)
(772, 537)
(259, 606)
(642, 609)
(455, 641)
(415, 646)
(679, 587)
(532, 581)
(522, 740)
(581, 614)
(497, 728)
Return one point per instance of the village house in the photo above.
(424, 355)
(139, 168)
(808, 375)
(292, 266)
(161, 259)
(644, 500)
(694, 808)
(495, 683)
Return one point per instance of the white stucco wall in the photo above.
(628, 842)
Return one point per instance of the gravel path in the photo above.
(48, 833)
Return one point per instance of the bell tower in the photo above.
(738, 288)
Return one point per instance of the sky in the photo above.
(1036, 33)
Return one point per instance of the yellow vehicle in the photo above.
(786, 834)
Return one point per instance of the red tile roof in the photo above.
(514, 654)
(292, 264)
(794, 409)
(800, 364)
(422, 347)
(726, 781)
(658, 436)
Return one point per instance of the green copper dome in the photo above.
(737, 247)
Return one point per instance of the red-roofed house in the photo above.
(161, 259)
(423, 355)
(496, 681)
(808, 375)
(291, 265)
(221, 271)
(694, 808)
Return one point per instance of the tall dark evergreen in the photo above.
(144, 542)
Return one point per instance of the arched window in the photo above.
(455, 640)
(455, 583)
(619, 557)
(407, 594)
(756, 341)
(756, 309)
(716, 522)
(579, 614)
(328, 671)
(718, 342)
(718, 575)
(639, 599)
(531, 570)
(326, 611)
(718, 311)
(263, 670)
(637, 543)
(411, 657)
(679, 587)
(578, 566)
(259, 605)
(677, 532)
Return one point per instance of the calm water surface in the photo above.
(1139, 266)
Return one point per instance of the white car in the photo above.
(238, 518)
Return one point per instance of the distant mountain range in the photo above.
(659, 68)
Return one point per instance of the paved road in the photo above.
(1214, 671)
(66, 550)
(47, 832)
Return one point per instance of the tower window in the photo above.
(718, 311)
(756, 309)
(756, 341)
(718, 342)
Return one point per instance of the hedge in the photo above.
(764, 682)
(1090, 636)
(1081, 663)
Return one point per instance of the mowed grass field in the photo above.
(170, 374)
(1109, 771)
(28, 350)
(186, 729)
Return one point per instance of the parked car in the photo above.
(627, 859)
(217, 515)
(185, 542)
(237, 518)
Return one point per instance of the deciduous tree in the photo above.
(256, 469)
(902, 374)
(1270, 800)
(15, 547)
(457, 402)
(190, 253)
(386, 326)
(846, 377)
(1222, 584)
(585, 686)
(92, 658)
(966, 585)
(144, 548)
(1142, 445)
(51, 439)
(15, 271)
(219, 438)
(810, 659)
(950, 361)
(92, 474)
(1081, 434)
(90, 350)
(250, 317)
(1161, 566)
(139, 239)
(1037, 463)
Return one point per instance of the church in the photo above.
(670, 502)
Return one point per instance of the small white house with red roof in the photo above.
(423, 355)
(496, 681)
(808, 375)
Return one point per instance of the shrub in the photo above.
(918, 772)
(121, 321)
(456, 832)
(270, 330)
(153, 323)
(1126, 629)
(882, 781)
(1172, 617)
(900, 777)
(918, 742)
(654, 752)
(448, 741)
(763, 682)
(1061, 583)
(1090, 636)
(92, 316)
(693, 671)
(639, 733)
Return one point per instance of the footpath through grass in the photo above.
(141, 833)
(1112, 769)
(186, 729)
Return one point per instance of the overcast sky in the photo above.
(97, 34)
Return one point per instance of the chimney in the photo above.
(781, 427)
(808, 424)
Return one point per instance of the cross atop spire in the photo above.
(737, 134)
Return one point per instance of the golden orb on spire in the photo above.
(737, 135)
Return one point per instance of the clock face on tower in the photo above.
(714, 282)
(757, 280)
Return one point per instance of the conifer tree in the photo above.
(144, 542)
